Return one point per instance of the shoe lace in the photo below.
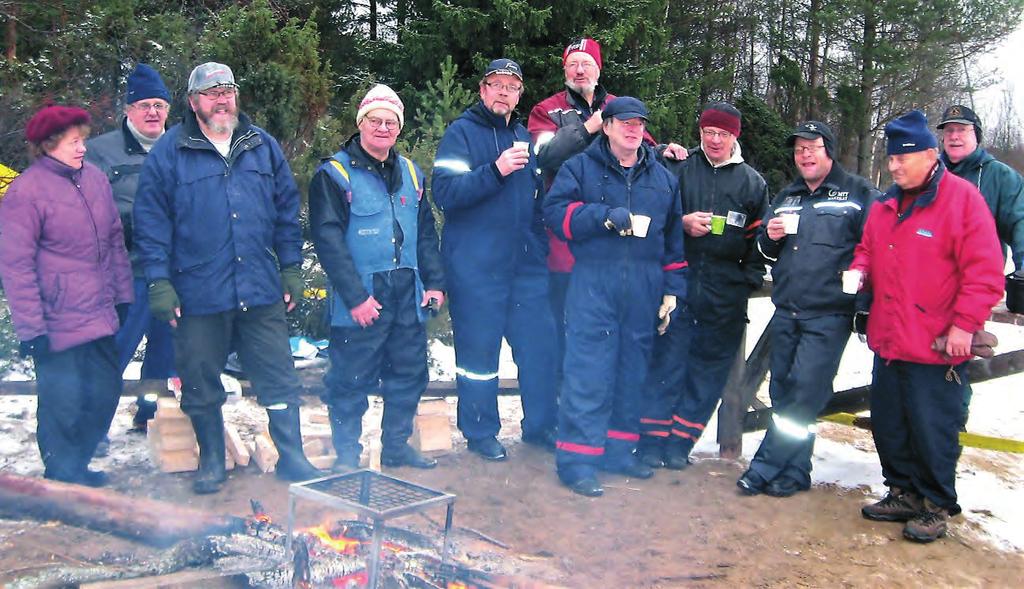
(892, 500)
(927, 518)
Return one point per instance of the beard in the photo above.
(582, 89)
(206, 117)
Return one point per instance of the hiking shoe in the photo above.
(783, 486)
(928, 525)
(751, 483)
(897, 506)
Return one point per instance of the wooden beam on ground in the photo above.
(739, 395)
(155, 522)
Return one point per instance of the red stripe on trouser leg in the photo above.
(683, 434)
(656, 434)
(688, 423)
(579, 448)
(655, 421)
(617, 435)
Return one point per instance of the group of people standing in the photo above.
(617, 269)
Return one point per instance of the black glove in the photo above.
(618, 220)
(122, 312)
(860, 323)
(36, 346)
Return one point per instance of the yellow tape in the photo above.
(340, 169)
(315, 293)
(412, 172)
(966, 439)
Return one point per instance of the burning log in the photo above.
(154, 522)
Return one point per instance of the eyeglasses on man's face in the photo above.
(377, 123)
(147, 106)
(218, 93)
(510, 88)
(709, 134)
(586, 65)
(805, 149)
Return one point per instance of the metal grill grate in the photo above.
(374, 491)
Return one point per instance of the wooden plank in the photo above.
(180, 580)
(234, 445)
(266, 455)
(738, 395)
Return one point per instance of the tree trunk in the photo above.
(814, 21)
(12, 33)
(373, 20)
(865, 145)
(148, 520)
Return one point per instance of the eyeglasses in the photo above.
(581, 64)
(634, 123)
(377, 122)
(708, 134)
(506, 87)
(808, 149)
(147, 106)
(218, 94)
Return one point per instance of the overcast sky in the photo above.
(1008, 59)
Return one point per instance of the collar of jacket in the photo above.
(480, 112)
(131, 144)
(977, 158)
(735, 158)
(192, 136)
(927, 196)
(577, 100)
(601, 152)
(51, 164)
(391, 173)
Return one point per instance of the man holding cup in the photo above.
(619, 211)
(493, 249)
(809, 237)
(724, 200)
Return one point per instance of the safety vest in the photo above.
(371, 235)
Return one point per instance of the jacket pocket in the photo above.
(831, 226)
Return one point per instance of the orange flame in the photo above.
(457, 585)
(340, 543)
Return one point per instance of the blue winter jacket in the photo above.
(492, 224)
(218, 228)
(590, 184)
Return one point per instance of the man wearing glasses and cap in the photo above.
(487, 183)
(217, 230)
(808, 237)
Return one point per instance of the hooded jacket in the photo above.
(62, 256)
(1003, 190)
(492, 223)
(218, 228)
(935, 265)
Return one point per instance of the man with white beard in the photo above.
(217, 231)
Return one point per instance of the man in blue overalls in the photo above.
(375, 237)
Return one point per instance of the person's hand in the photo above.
(668, 304)
(958, 342)
(36, 347)
(674, 151)
(697, 224)
(292, 284)
(163, 302)
(512, 159)
(432, 299)
(775, 229)
(618, 220)
(593, 124)
(366, 312)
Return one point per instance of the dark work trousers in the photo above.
(611, 318)
(259, 335)
(159, 359)
(915, 420)
(389, 356)
(805, 356)
(483, 310)
(689, 370)
(559, 286)
(78, 392)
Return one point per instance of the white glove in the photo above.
(668, 304)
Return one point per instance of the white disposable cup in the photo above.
(522, 145)
(640, 224)
(851, 281)
(790, 223)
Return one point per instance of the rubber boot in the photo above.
(209, 428)
(292, 464)
(345, 432)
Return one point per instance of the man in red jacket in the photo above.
(931, 257)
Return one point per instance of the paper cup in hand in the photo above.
(851, 281)
(640, 223)
(522, 145)
(790, 223)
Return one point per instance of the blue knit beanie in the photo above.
(909, 133)
(145, 83)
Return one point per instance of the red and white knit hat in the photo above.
(381, 96)
(586, 45)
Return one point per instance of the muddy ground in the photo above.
(680, 529)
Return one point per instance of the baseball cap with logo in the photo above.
(210, 75)
(505, 67)
(959, 113)
(812, 130)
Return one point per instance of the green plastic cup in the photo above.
(717, 224)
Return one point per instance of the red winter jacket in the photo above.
(937, 266)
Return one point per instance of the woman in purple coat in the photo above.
(66, 275)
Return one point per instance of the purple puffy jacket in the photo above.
(62, 255)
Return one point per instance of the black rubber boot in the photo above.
(292, 464)
(209, 428)
(345, 432)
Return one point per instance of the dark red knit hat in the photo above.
(588, 46)
(722, 115)
(53, 120)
